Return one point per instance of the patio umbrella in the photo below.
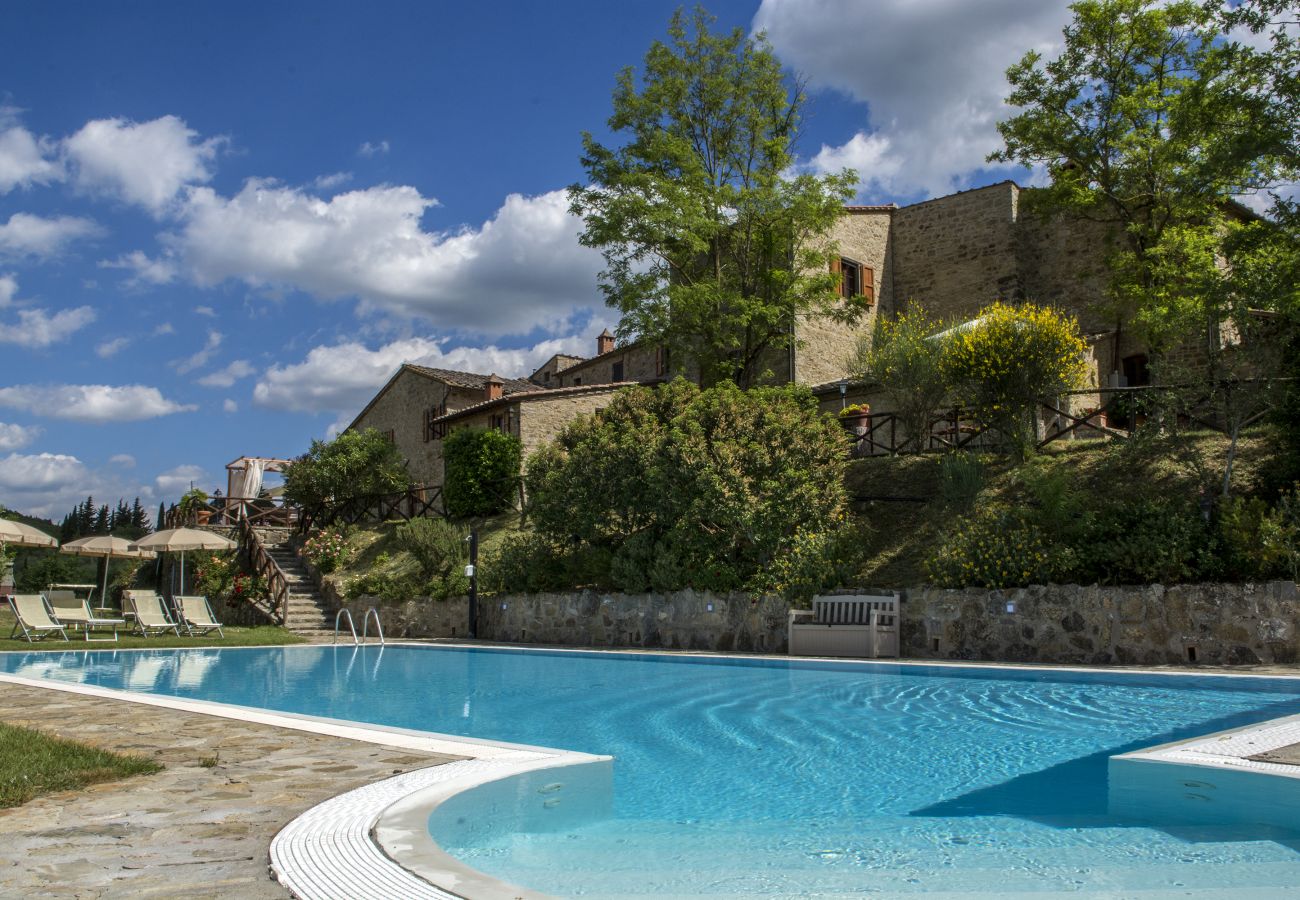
(106, 547)
(21, 535)
(181, 539)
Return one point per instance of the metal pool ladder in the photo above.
(365, 625)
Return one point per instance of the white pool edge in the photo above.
(365, 843)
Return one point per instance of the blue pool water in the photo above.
(765, 777)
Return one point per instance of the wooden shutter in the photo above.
(869, 284)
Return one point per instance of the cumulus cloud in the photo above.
(24, 158)
(521, 270)
(91, 403)
(144, 270)
(199, 359)
(143, 163)
(8, 289)
(240, 368)
(109, 349)
(38, 471)
(342, 378)
(180, 479)
(37, 328)
(931, 71)
(125, 460)
(14, 437)
(229, 406)
(330, 182)
(376, 149)
(25, 235)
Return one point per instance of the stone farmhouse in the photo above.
(952, 254)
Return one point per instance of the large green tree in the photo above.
(1151, 122)
(712, 248)
(354, 464)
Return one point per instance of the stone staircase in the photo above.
(308, 612)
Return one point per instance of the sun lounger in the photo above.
(150, 613)
(33, 618)
(74, 612)
(194, 613)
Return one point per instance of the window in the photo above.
(577, 381)
(391, 436)
(855, 278)
(435, 431)
(616, 371)
(661, 360)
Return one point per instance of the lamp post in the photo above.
(844, 390)
(472, 572)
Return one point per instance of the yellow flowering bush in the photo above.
(1008, 360)
(1000, 548)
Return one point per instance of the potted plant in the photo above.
(857, 415)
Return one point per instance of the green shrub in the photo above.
(481, 469)
(1143, 541)
(1259, 541)
(961, 478)
(997, 548)
(681, 487)
(354, 464)
(439, 550)
(386, 588)
(326, 549)
(904, 358)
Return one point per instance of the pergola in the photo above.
(244, 488)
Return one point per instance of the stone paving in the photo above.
(196, 829)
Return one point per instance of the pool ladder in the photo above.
(372, 612)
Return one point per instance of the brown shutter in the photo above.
(869, 284)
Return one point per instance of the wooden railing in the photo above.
(263, 565)
(267, 512)
(413, 503)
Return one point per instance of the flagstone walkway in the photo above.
(191, 830)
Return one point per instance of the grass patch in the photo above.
(261, 636)
(33, 763)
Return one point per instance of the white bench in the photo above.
(864, 626)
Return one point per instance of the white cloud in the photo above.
(931, 71)
(224, 378)
(330, 182)
(175, 482)
(13, 437)
(91, 403)
(144, 269)
(125, 460)
(145, 163)
(38, 471)
(342, 378)
(205, 311)
(24, 159)
(36, 328)
(28, 235)
(109, 349)
(163, 329)
(8, 288)
(368, 149)
(200, 358)
(522, 270)
(229, 406)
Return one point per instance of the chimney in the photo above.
(604, 342)
(494, 386)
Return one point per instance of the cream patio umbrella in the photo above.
(107, 548)
(21, 535)
(171, 540)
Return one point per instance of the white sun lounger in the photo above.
(150, 613)
(195, 614)
(32, 616)
(74, 612)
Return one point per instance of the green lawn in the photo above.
(266, 635)
(33, 763)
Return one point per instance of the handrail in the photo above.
(264, 565)
(351, 625)
(365, 625)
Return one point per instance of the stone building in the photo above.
(952, 255)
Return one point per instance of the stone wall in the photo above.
(1218, 624)
(400, 409)
(541, 419)
(640, 363)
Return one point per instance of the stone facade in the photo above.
(1149, 625)
(1218, 624)
(629, 363)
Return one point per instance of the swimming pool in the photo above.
(736, 777)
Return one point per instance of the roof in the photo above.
(879, 207)
(535, 394)
(469, 380)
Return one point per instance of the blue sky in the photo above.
(223, 226)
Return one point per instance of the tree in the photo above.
(711, 249)
(1147, 121)
(354, 464)
(905, 358)
(1007, 361)
(672, 487)
(481, 471)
